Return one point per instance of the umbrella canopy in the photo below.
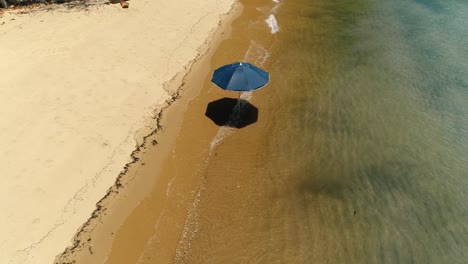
(241, 77)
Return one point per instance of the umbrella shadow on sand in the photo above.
(232, 112)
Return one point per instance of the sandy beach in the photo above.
(159, 214)
(80, 88)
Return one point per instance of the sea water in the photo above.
(360, 154)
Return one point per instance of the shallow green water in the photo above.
(368, 154)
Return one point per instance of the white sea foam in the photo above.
(272, 23)
(256, 54)
(267, 10)
(191, 224)
(275, 8)
(223, 133)
(247, 96)
(190, 228)
(264, 9)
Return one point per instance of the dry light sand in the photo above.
(76, 87)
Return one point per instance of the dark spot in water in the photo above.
(432, 5)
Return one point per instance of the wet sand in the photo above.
(75, 99)
(154, 215)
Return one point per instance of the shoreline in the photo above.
(157, 217)
(44, 247)
(84, 238)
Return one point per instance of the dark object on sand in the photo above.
(11, 3)
(124, 4)
(3, 4)
(32, 3)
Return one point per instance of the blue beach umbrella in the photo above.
(240, 77)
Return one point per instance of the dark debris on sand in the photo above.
(28, 4)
